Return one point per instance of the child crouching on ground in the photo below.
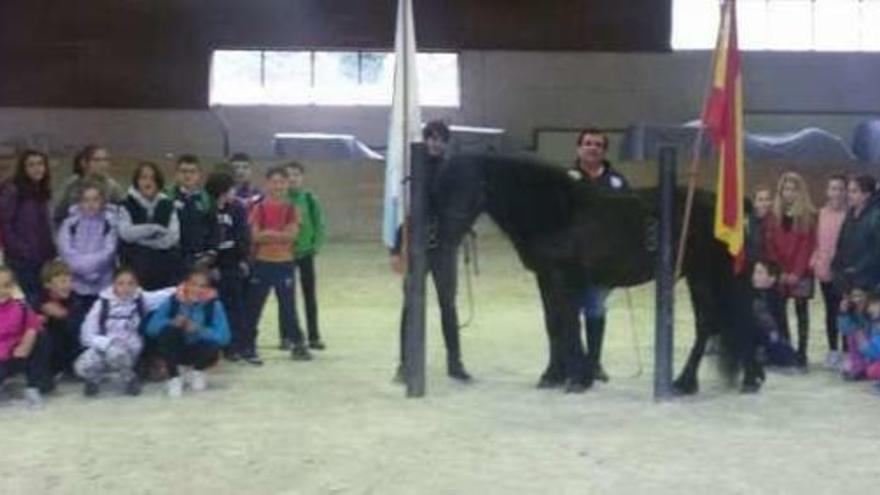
(111, 334)
(868, 342)
(853, 323)
(61, 315)
(190, 328)
(767, 306)
(23, 347)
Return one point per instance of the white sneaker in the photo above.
(198, 381)
(174, 387)
(33, 398)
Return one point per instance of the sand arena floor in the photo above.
(338, 426)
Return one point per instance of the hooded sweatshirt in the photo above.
(213, 330)
(123, 319)
(87, 243)
(72, 190)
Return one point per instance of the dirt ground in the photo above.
(338, 425)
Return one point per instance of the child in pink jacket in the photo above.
(23, 346)
(831, 218)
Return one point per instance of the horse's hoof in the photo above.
(750, 387)
(550, 382)
(761, 375)
(575, 387)
(684, 386)
(600, 374)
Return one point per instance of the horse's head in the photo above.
(460, 197)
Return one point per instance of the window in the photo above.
(796, 25)
(260, 77)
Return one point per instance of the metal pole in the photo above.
(663, 344)
(414, 337)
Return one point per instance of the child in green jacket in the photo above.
(308, 243)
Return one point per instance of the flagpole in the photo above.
(693, 175)
(415, 195)
(696, 154)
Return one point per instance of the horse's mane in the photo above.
(529, 196)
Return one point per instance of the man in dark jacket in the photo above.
(442, 260)
(593, 167)
(198, 223)
(857, 259)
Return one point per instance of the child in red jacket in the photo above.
(790, 242)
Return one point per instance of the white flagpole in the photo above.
(406, 198)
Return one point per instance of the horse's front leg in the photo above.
(554, 375)
(704, 306)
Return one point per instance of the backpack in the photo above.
(209, 311)
(75, 225)
(104, 313)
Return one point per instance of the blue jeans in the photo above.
(266, 276)
(593, 301)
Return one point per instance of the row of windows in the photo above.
(243, 77)
(272, 77)
(801, 25)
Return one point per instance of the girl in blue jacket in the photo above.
(190, 328)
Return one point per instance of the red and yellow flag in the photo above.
(723, 118)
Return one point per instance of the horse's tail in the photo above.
(737, 327)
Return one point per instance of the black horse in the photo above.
(570, 233)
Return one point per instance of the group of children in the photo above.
(790, 245)
(123, 284)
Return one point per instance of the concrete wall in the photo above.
(519, 91)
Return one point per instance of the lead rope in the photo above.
(471, 269)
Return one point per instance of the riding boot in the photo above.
(595, 336)
(455, 370)
(803, 327)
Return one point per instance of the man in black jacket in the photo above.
(592, 166)
(442, 260)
